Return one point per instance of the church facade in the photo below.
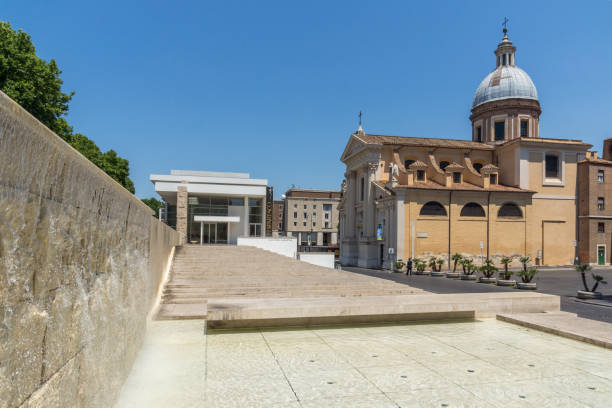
(505, 192)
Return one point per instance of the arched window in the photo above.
(510, 210)
(433, 208)
(444, 164)
(472, 210)
(478, 167)
(407, 163)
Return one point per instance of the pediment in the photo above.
(353, 147)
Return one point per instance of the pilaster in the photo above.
(181, 212)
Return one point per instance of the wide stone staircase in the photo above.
(240, 286)
(202, 273)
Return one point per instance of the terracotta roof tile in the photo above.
(417, 164)
(454, 166)
(422, 142)
(432, 185)
(597, 161)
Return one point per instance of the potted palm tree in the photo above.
(420, 265)
(505, 275)
(488, 270)
(526, 277)
(586, 293)
(456, 258)
(398, 265)
(468, 269)
(433, 264)
(524, 260)
(506, 261)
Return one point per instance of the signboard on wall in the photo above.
(269, 205)
(379, 232)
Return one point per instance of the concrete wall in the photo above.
(76, 276)
(281, 246)
(324, 259)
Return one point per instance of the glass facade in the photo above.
(212, 233)
(255, 218)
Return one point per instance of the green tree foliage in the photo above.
(154, 203)
(36, 85)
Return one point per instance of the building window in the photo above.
(601, 205)
(314, 206)
(304, 223)
(510, 210)
(407, 163)
(294, 205)
(552, 166)
(456, 177)
(314, 224)
(472, 210)
(433, 208)
(500, 129)
(255, 216)
(493, 179)
(326, 224)
(444, 164)
(305, 215)
(479, 134)
(314, 215)
(504, 59)
(600, 176)
(304, 206)
(327, 216)
(295, 214)
(601, 227)
(327, 207)
(295, 224)
(478, 167)
(524, 128)
(362, 193)
(255, 230)
(420, 175)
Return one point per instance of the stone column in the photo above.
(319, 238)
(181, 212)
(246, 217)
(349, 205)
(370, 210)
(399, 224)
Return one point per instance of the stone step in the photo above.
(249, 312)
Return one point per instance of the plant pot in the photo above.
(504, 282)
(437, 274)
(468, 277)
(421, 272)
(453, 275)
(527, 285)
(395, 270)
(582, 294)
(483, 279)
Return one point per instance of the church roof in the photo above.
(465, 186)
(598, 160)
(454, 166)
(421, 142)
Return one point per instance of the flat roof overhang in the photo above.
(215, 218)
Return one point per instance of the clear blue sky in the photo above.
(274, 88)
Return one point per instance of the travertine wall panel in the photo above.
(76, 276)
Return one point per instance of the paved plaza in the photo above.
(484, 363)
(563, 282)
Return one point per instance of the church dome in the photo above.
(506, 81)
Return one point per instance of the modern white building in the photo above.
(213, 207)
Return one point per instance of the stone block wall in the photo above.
(77, 278)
